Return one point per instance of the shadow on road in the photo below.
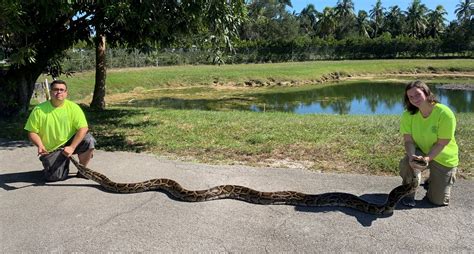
(10, 145)
(32, 178)
(10, 181)
(366, 219)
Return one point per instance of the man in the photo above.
(59, 129)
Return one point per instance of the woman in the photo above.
(428, 131)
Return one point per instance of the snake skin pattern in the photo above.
(243, 193)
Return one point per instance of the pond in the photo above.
(357, 98)
(353, 98)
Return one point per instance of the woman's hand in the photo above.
(418, 162)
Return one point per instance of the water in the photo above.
(353, 98)
(356, 98)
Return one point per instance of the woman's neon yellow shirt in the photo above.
(440, 124)
(56, 126)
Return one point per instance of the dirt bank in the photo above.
(343, 76)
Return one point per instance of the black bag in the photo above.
(56, 166)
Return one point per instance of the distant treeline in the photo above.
(270, 33)
(270, 51)
(350, 48)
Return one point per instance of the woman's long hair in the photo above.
(426, 90)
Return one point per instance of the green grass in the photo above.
(125, 80)
(336, 143)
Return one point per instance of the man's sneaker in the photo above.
(409, 201)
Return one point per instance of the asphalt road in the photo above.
(77, 216)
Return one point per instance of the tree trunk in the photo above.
(16, 87)
(98, 99)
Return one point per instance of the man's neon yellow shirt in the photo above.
(440, 124)
(56, 126)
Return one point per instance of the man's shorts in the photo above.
(56, 164)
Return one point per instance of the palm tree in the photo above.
(376, 14)
(308, 18)
(344, 12)
(264, 14)
(255, 9)
(281, 7)
(394, 21)
(464, 10)
(436, 21)
(363, 26)
(268, 8)
(285, 3)
(344, 8)
(326, 25)
(416, 19)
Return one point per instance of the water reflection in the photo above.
(356, 98)
(348, 98)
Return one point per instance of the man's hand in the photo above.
(78, 137)
(42, 151)
(36, 139)
(68, 150)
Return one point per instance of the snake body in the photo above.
(250, 195)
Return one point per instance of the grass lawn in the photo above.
(357, 144)
(125, 80)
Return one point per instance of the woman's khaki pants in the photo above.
(440, 181)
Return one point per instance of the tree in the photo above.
(269, 20)
(344, 9)
(308, 19)
(394, 21)
(460, 35)
(34, 36)
(326, 25)
(376, 14)
(363, 26)
(416, 19)
(464, 10)
(117, 24)
(268, 8)
(436, 21)
(344, 12)
(33, 39)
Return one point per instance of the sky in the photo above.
(367, 5)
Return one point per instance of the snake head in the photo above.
(421, 162)
(388, 211)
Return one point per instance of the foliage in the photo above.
(465, 11)
(340, 21)
(35, 34)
